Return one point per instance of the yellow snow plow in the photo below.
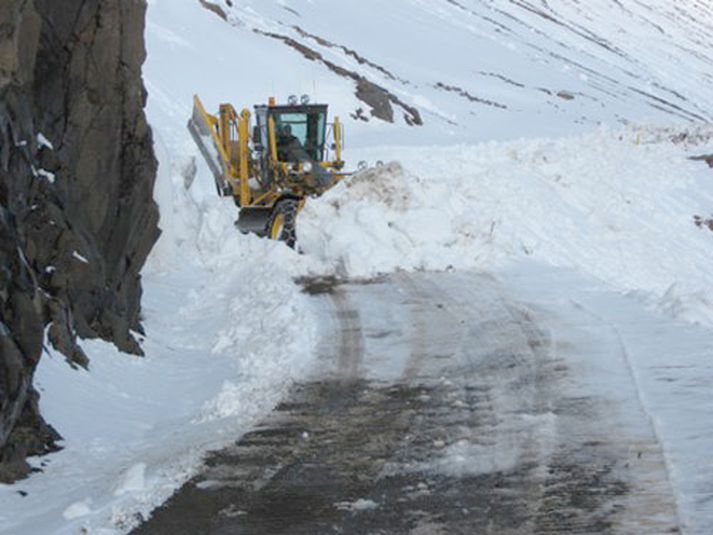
(270, 167)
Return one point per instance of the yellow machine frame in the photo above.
(230, 133)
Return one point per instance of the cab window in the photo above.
(308, 128)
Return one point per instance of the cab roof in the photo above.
(288, 108)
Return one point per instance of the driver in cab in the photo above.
(289, 147)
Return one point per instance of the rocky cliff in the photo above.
(77, 217)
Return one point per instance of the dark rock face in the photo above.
(77, 216)
(708, 158)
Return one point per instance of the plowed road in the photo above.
(442, 404)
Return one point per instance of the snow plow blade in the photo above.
(254, 219)
(205, 135)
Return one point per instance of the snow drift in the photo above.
(617, 205)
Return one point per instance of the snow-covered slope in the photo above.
(583, 190)
(471, 70)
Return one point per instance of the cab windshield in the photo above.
(307, 129)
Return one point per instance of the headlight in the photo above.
(307, 166)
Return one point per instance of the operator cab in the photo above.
(299, 130)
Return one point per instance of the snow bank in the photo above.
(228, 331)
(618, 205)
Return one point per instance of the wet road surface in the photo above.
(440, 405)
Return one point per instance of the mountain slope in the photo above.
(477, 70)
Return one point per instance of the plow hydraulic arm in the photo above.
(223, 142)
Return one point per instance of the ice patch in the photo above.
(464, 458)
(499, 452)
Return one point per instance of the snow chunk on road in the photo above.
(359, 505)
(464, 458)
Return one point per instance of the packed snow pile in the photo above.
(618, 205)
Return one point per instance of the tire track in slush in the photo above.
(350, 334)
(485, 430)
(422, 297)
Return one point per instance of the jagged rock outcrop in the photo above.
(77, 216)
